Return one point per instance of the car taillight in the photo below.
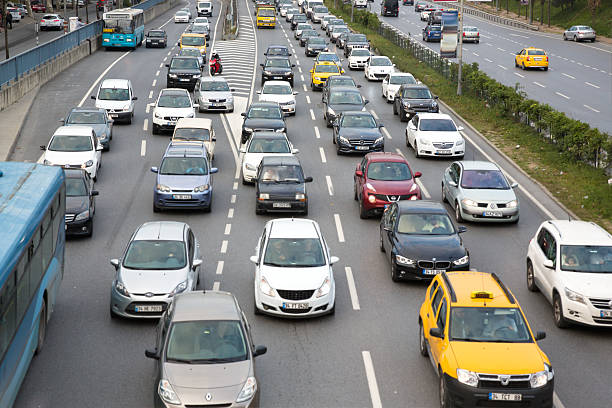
(546, 58)
(464, 34)
(477, 34)
(42, 21)
(528, 59)
(55, 21)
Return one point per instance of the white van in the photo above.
(205, 8)
(117, 97)
(360, 3)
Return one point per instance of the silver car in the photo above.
(213, 93)
(97, 118)
(161, 260)
(205, 354)
(579, 33)
(479, 191)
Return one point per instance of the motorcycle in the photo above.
(215, 66)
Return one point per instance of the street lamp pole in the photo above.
(460, 50)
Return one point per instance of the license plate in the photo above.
(215, 104)
(498, 396)
(443, 152)
(492, 214)
(148, 308)
(299, 306)
(362, 148)
(113, 115)
(605, 313)
(184, 80)
(538, 59)
(181, 196)
(281, 205)
(432, 271)
(278, 77)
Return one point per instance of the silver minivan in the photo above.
(161, 260)
(117, 97)
(205, 353)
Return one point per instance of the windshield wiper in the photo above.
(469, 339)
(290, 181)
(274, 264)
(178, 360)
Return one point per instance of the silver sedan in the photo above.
(479, 191)
(214, 94)
(579, 33)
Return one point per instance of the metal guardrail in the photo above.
(499, 19)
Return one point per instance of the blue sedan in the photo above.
(433, 32)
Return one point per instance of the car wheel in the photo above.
(531, 285)
(355, 195)
(515, 63)
(156, 209)
(155, 129)
(129, 120)
(560, 320)
(42, 328)
(545, 68)
(395, 109)
(523, 66)
(209, 208)
(332, 311)
(402, 115)
(305, 212)
(363, 213)
(259, 211)
(445, 401)
(90, 229)
(564, 37)
(575, 39)
(394, 275)
(422, 341)
(380, 243)
(458, 216)
(444, 200)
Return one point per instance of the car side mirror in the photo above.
(62, 120)
(134, 98)
(311, 71)
(115, 262)
(333, 260)
(95, 193)
(308, 179)
(196, 263)
(296, 93)
(243, 150)
(435, 96)
(290, 54)
(380, 124)
(358, 173)
(42, 147)
(111, 121)
(514, 185)
(436, 332)
(365, 102)
(411, 125)
(93, 97)
(154, 169)
(261, 65)
(214, 170)
(259, 350)
(254, 259)
(388, 228)
(196, 105)
(99, 148)
(258, 92)
(358, 86)
(452, 183)
(549, 264)
(243, 114)
(417, 174)
(295, 151)
(168, 65)
(152, 354)
(460, 128)
(540, 335)
(461, 229)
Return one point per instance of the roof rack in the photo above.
(555, 225)
(504, 288)
(449, 287)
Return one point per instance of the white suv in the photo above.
(172, 104)
(74, 147)
(571, 263)
(293, 272)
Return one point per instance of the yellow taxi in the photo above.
(193, 40)
(321, 71)
(531, 57)
(266, 17)
(480, 344)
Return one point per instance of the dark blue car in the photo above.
(433, 32)
(184, 178)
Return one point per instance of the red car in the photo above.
(39, 8)
(382, 178)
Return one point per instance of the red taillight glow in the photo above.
(464, 34)
(528, 59)
(56, 21)
(546, 59)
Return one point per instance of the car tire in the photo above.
(155, 129)
(259, 211)
(575, 39)
(402, 115)
(42, 327)
(524, 68)
(156, 209)
(256, 311)
(394, 275)
(395, 109)
(332, 311)
(564, 37)
(531, 285)
(545, 68)
(515, 63)
(445, 401)
(422, 340)
(458, 216)
(90, 229)
(380, 243)
(558, 317)
(355, 195)
(444, 199)
(305, 212)
(363, 213)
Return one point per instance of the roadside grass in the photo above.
(580, 187)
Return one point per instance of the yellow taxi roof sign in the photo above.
(482, 294)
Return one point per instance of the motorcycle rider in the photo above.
(215, 63)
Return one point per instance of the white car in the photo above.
(51, 22)
(301, 27)
(201, 21)
(326, 19)
(570, 262)
(293, 270)
(74, 147)
(171, 105)
(392, 82)
(435, 134)
(117, 97)
(181, 16)
(425, 15)
(196, 130)
(378, 67)
(283, 9)
(318, 12)
(290, 12)
(263, 144)
(358, 58)
(281, 92)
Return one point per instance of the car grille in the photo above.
(209, 406)
(181, 190)
(295, 311)
(114, 110)
(602, 320)
(444, 145)
(216, 100)
(285, 103)
(394, 197)
(380, 75)
(486, 205)
(495, 381)
(172, 118)
(282, 197)
(434, 264)
(295, 294)
(361, 142)
(69, 217)
(601, 303)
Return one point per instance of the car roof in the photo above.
(184, 57)
(431, 115)
(478, 165)
(160, 230)
(115, 83)
(421, 206)
(277, 57)
(280, 161)
(534, 49)
(185, 149)
(268, 135)
(205, 305)
(174, 91)
(88, 109)
(293, 228)
(386, 157)
(580, 232)
(201, 123)
(466, 282)
(261, 104)
(74, 131)
(157, 31)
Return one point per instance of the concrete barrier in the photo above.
(498, 19)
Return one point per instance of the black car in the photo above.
(315, 45)
(342, 99)
(421, 241)
(277, 51)
(296, 19)
(262, 116)
(341, 40)
(420, 6)
(413, 98)
(280, 186)
(306, 34)
(355, 41)
(357, 132)
(156, 38)
(389, 8)
(80, 202)
(337, 80)
(183, 72)
(279, 68)
(408, 2)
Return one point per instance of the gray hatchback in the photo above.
(205, 353)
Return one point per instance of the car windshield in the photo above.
(266, 12)
(380, 62)
(583, 28)
(327, 68)
(259, 145)
(341, 29)
(114, 94)
(294, 252)
(320, 9)
(328, 57)
(278, 63)
(358, 121)
(155, 254)
(204, 4)
(360, 52)
(472, 29)
(174, 101)
(316, 40)
(484, 179)
(416, 93)
(402, 79)
(437, 125)
(345, 97)
(199, 29)
(200, 20)
(425, 224)
(282, 174)
(120, 25)
(264, 112)
(67, 143)
(193, 40)
(214, 86)
(309, 33)
(277, 51)
(155, 34)
(184, 166)
(75, 187)
(299, 17)
(190, 52)
(206, 342)
(86, 118)
(488, 324)
(199, 134)
(389, 171)
(303, 26)
(182, 13)
(277, 89)
(586, 258)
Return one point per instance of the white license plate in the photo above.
(537, 59)
(281, 205)
(181, 196)
(498, 396)
(605, 313)
(148, 308)
(432, 271)
(183, 79)
(492, 214)
(362, 148)
(278, 77)
(113, 115)
(443, 152)
(299, 306)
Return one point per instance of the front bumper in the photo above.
(382, 200)
(266, 24)
(289, 108)
(195, 200)
(431, 150)
(213, 106)
(181, 20)
(119, 116)
(275, 305)
(477, 214)
(357, 64)
(187, 83)
(164, 124)
(81, 227)
(416, 273)
(414, 110)
(344, 147)
(318, 83)
(128, 306)
(155, 43)
(278, 205)
(278, 77)
(586, 315)
(376, 77)
(205, 13)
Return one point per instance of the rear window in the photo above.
(536, 52)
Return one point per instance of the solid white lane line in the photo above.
(220, 267)
(339, 227)
(317, 134)
(145, 125)
(230, 213)
(307, 99)
(150, 94)
(143, 148)
(157, 73)
(590, 108)
(568, 75)
(386, 133)
(563, 96)
(224, 246)
(297, 62)
(371, 376)
(539, 84)
(323, 159)
(502, 67)
(154, 83)
(88, 93)
(233, 199)
(312, 115)
(519, 75)
(216, 285)
(330, 186)
(352, 287)
(228, 229)
(590, 84)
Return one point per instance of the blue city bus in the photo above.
(123, 28)
(32, 241)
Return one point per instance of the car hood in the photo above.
(294, 278)
(427, 247)
(360, 133)
(105, 104)
(281, 189)
(76, 205)
(174, 112)
(489, 195)
(345, 107)
(498, 358)
(276, 98)
(593, 285)
(216, 95)
(358, 58)
(440, 136)
(154, 281)
(418, 102)
(72, 158)
(264, 123)
(255, 158)
(207, 376)
(184, 71)
(277, 70)
(182, 182)
(386, 187)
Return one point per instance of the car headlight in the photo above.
(166, 393)
(371, 198)
(249, 166)
(248, 390)
(467, 377)
(512, 204)
(164, 189)
(379, 140)
(179, 288)
(265, 287)
(404, 261)
(459, 142)
(267, 72)
(462, 261)
(197, 75)
(82, 216)
(190, 115)
(264, 196)
(343, 139)
(280, 130)
(324, 288)
(88, 163)
(406, 105)
(300, 196)
(172, 75)
(248, 129)
(574, 296)
(287, 73)
(469, 203)
(201, 189)
(434, 104)
(424, 141)
(120, 287)
(47, 162)
(102, 136)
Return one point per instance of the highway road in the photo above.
(578, 82)
(366, 355)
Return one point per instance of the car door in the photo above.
(520, 57)
(439, 345)
(547, 250)
(430, 319)
(412, 128)
(360, 180)
(131, 93)
(191, 274)
(98, 149)
(390, 238)
(452, 192)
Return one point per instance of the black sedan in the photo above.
(357, 132)
(262, 116)
(156, 38)
(315, 45)
(183, 72)
(80, 202)
(413, 98)
(279, 68)
(421, 241)
(277, 51)
(281, 186)
(342, 99)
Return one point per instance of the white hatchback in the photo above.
(280, 92)
(435, 134)
(293, 270)
(358, 58)
(172, 104)
(74, 147)
(378, 67)
(51, 21)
